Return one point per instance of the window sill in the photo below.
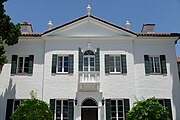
(21, 74)
(61, 73)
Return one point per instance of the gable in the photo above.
(89, 27)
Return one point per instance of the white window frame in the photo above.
(62, 63)
(89, 67)
(62, 100)
(17, 69)
(115, 63)
(154, 66)
(117, 115)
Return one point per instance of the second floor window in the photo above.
(62, 63)
(22, 64)
(89, 61)
(115, 63)
(155, 64)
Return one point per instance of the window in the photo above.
(155, 64)
(115, 64)
(166, 103)
(22, 64)
(179, 69)
(62, 63)
(116, 109)
(89, 60)
(12, 105)
(62, 109)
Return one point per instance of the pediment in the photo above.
(88, 27)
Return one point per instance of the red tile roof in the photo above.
(83, 17)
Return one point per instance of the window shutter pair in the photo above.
(54, 63)
(123, 63)
(108, 108)
(9, 108)
(97, 60)
(14, 64)
(148, 66)
(70, 108)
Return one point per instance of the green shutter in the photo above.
(14, 64)
(31, 61)
(71, 63)
(168, 106)
(163, 64)
(52, 106)
(80, 60)
(70, 109)
(108, 109)
(123, 62)
(106, 63)
(147, 64)
(9, 108)
(54, 63)
(126, 106)
(97, 59)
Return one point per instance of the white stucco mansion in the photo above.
(91, 69)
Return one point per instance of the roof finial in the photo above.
(88, 8)
(50, 25)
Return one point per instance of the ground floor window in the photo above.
(116, 109)
(62, 109)
(166, 103)
(12, 105)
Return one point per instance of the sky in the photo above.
(164, 13)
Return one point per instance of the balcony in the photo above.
(89, 81)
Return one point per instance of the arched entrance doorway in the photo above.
(89, 109)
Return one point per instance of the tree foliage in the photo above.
(32, 109)
(148, 110)
(9, 32)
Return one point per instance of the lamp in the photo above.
(76, 100)
(103, 101)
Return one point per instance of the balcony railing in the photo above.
(89, 77)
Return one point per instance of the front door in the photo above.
(89, 114)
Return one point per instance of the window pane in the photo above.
(85, 63)
(20, 65)
(65, 109)
(157, 64)
(60, 63)
(66, 63)
(26, 65)
(111, 63)
(118, 64)
(161, 102)
(16, 104)
(58, 109)
(152, 64)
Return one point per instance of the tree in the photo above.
(148, 110)
(32, 109)
(9, 32)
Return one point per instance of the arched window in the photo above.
(89, 102)
(89, 61)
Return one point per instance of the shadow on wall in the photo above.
(9, 93)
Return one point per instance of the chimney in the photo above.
(26, 28)
(50, 25)
(148, 28)
(127, 25)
